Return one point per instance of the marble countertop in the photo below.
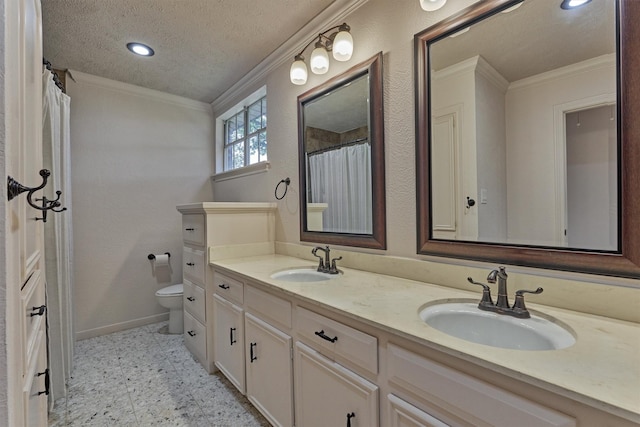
(602, 369)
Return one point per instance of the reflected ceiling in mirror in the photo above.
(341, 155)
(522, 157)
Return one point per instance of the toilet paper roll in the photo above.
(161, 261)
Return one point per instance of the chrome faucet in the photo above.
(326, 265)
(502, 304)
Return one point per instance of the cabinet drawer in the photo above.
(193, 229)
(229, 288)
(194, 301)
(341, 340)
(403, 414)
(195, 337)
(193, 264)
(465, 398)
(274, 310)
(34, 310)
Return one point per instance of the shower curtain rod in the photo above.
(56, 78)
(364, 140)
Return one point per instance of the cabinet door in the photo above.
(404, 414)
(228, 346)
(268, 363)
(328, 394)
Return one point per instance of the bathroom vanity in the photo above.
(353, 351)
(209, 225)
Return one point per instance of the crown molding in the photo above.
(332, 15)
(90, 79)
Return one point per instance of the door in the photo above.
(23, 234)
(228, 348)
(268, 363)
(328, 394)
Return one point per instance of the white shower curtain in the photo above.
(58, 234)
(342, 179)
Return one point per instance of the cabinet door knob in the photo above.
(192, 299)
(232, 341)
(224, 286)
(322, 335)
(190, 264)
(189, 229)
(191, 333)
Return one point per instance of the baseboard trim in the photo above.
(117, 327)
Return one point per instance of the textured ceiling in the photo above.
(534, 38)
(202, 47)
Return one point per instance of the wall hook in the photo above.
(14, 188)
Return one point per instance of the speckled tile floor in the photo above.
(141, 377)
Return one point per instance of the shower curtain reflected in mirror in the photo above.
(341, 178)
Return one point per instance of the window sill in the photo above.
(241, 172)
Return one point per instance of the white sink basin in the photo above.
(466, 321)
(302, 275)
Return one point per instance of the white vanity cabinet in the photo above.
(404, 414)
(251, 347)
(328, 394)
(229, 341)
(269, 370)
(194, 271)
(206, 226)
(454, 398)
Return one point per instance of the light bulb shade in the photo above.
(342, 46)
(431, 5)
(298, 72)
(319, 60)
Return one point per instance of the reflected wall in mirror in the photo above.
(341, 159)
(524, 153)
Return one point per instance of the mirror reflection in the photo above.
(338, 159)
(524, 131)
(341, 159)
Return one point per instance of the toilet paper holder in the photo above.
(151, 257)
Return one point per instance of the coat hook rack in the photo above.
(14, 188)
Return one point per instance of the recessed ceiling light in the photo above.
(570, 4)
(140, 49)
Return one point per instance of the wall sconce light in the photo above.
(339, 42)
(570, 4)
(431, 5)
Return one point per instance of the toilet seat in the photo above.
(170, 290)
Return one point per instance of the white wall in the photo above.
(135, 154)
(531, 152)
(379, 25)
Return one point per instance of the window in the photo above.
(245, 136)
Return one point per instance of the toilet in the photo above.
(171, 298)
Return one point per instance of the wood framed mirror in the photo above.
(341, 159)
(487, 203)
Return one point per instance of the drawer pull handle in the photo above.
(46, 382)
(349, 416)
(251, 353)
(38, 311)
(190, 264)
(224, 286)
(322, 335)
(232, 341)
(192, 299)
(191, 333)
(189, 229)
